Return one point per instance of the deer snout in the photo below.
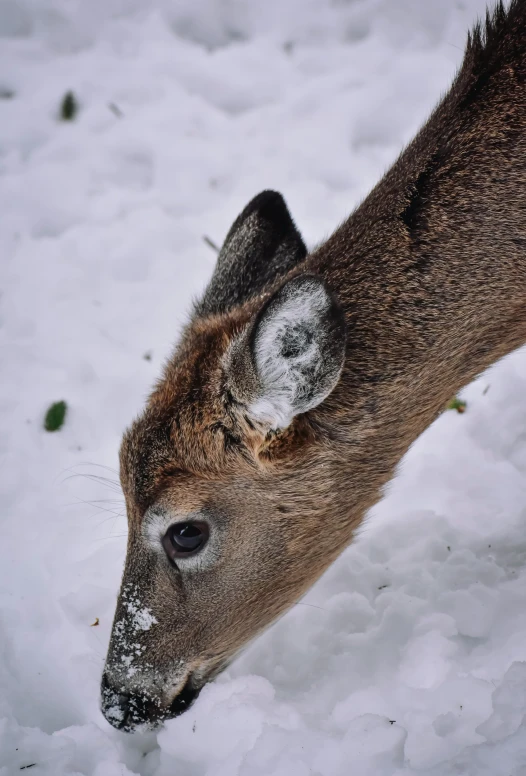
(123, 710)
(128, 711)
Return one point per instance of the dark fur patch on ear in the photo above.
(290, 358)
(262, 245)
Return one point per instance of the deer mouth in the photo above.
(184, 699)
(130, 713)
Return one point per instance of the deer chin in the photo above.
(133, 713)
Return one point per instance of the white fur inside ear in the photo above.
(287, 354)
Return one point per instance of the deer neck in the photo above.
(431, 268)
(431, 272)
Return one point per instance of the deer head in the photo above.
(225, 474)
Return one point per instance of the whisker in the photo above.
(118, 513)
(111, 484)
(76, 466)
(107, 501)
(111, 536)
(105, 520)
(313, 606)
(98, 465)
(88, 463)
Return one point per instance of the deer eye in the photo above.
(184, 539)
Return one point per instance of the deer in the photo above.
(290, 397)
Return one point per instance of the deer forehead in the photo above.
(163, 451)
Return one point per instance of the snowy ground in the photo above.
(410, 657)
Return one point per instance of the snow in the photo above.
(409, 656)
(141, 616)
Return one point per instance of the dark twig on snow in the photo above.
(115, 110)
(69, 107)
(210, 243)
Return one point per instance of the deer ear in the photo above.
(262, 245)
(290, 358)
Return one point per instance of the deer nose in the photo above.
(123, 710)
(127, 711)
(115, 705)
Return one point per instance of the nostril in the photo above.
(115, 705)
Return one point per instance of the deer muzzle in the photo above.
(129, 711)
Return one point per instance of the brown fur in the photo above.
(431, 274)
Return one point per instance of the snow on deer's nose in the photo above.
(136, 690)
(126, 644)
(128, 712)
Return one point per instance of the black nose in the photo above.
(126, 712)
